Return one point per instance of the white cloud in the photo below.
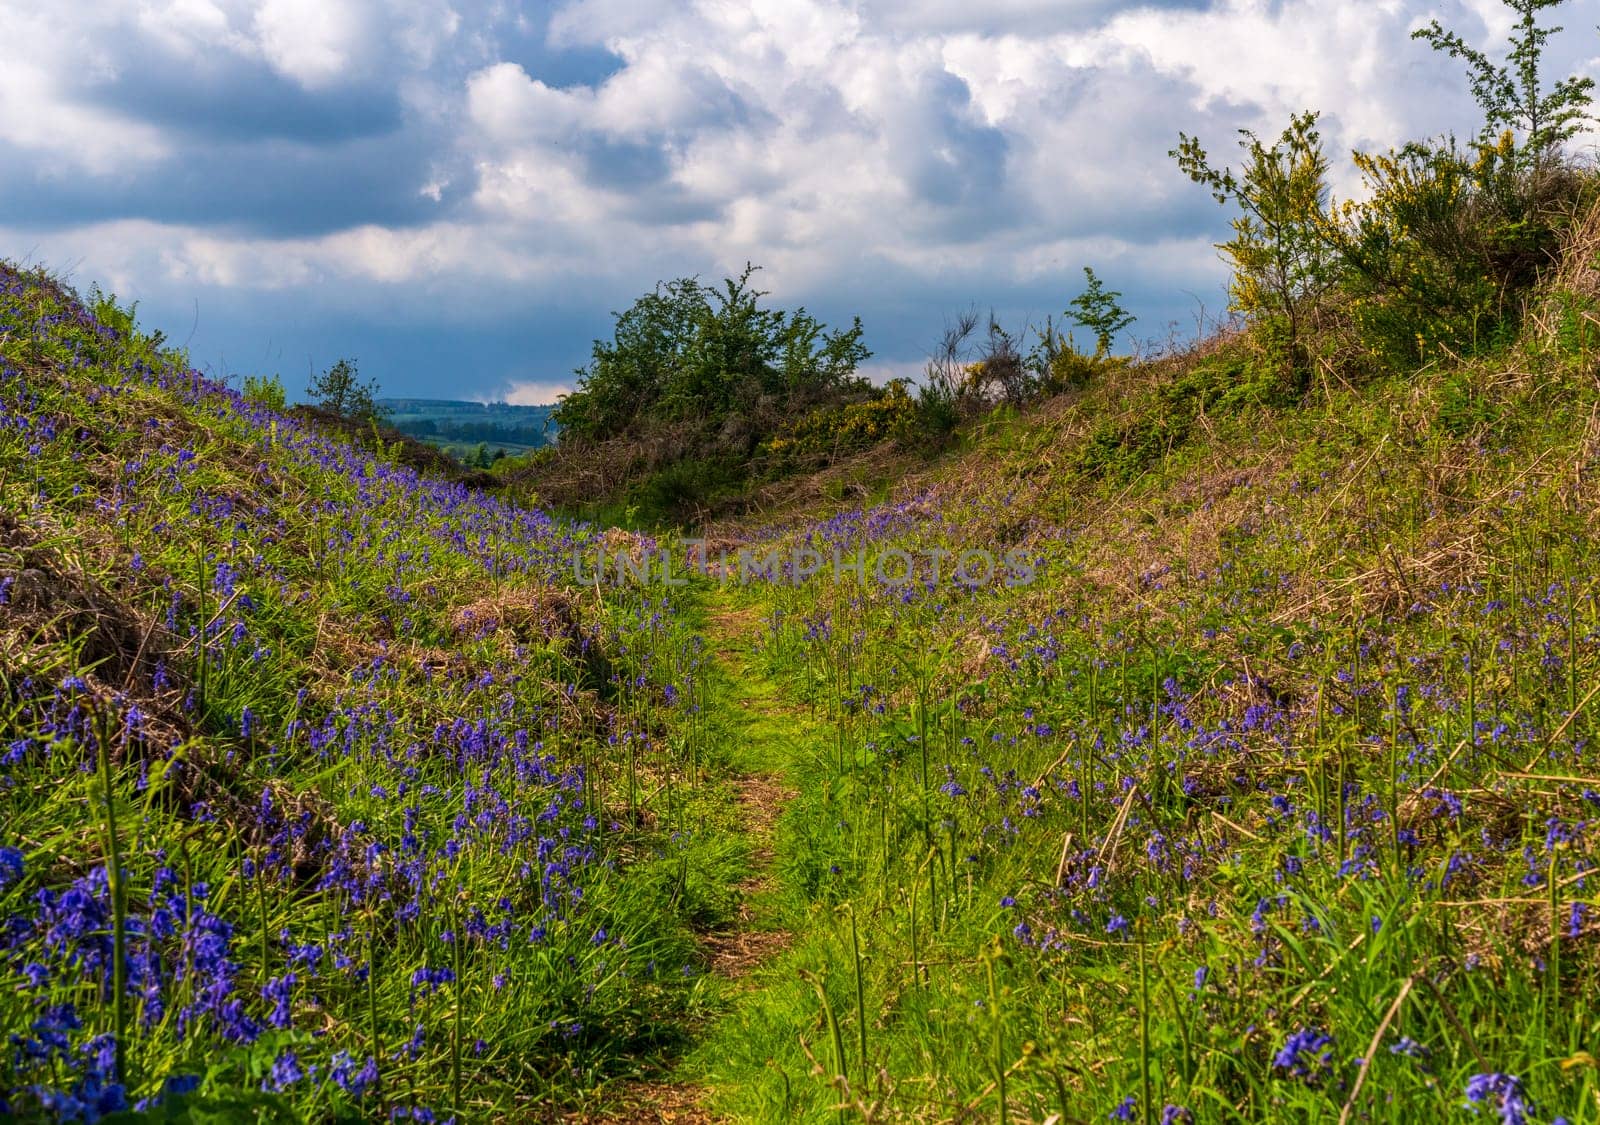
(41, 58)
(192, 27)
(532, 393)
(508, 106)
(313, 41)
(854, 149)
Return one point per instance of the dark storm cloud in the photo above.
(237, 101)
(268, 188)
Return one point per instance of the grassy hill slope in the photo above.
(323, 793)
(1270, 797)
(1243, 770)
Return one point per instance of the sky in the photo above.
(459, 194)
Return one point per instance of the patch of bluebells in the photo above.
(1502, 1095)
(464, 780)
(1306, 1055)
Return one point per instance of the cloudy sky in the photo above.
(459, 192)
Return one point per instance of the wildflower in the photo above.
(1306, 1055)
(1501, 1092)
(1124, 1110)
(353, 1082)
(10, 867)
(1409, 1047)
(279, 991)
(285, 1072)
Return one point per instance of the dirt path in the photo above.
(756, 716)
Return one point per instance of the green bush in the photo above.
(689, 352)
(265, 390)
(340, 390)
(889, 415)
(1440, 254)
(1071, 369)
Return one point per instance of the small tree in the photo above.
(1512, 96)
(1282, 264)
(691, 353)
(341, 391)
(1098, 309)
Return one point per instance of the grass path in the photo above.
(761, 733)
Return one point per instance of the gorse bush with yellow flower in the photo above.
(1449, 241)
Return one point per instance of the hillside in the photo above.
(460, 427)
(1255, 781)
(323, 794)
(1270, 797)
(1202, 736)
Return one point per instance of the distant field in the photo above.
(460, 427)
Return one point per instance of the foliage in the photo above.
(1098, 309)
(1000, 372)
(826, 434)
(1437, 257)
(1512, 96)
(1159, 421)
(691, 352)
(1441, 253)
(341, 391)
(122, 319)
(1282, 264)
(1420, 251)
(265, 391)
(1072, 369)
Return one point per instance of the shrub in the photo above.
(265, 390)
(1072, 369)
(691, 352)
(1000, 373)
(1282, 263)
(341, 391)
(891, 414)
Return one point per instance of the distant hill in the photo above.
(460, 427)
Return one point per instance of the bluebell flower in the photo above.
(1306, 1055)
(1502, 1093)
(285, 1072)
(11, 863)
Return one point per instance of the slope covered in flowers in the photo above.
(1271, 797)
(381, 820)
(1244, 772)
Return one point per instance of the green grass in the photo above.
(1214, 653)
(1269, 800)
